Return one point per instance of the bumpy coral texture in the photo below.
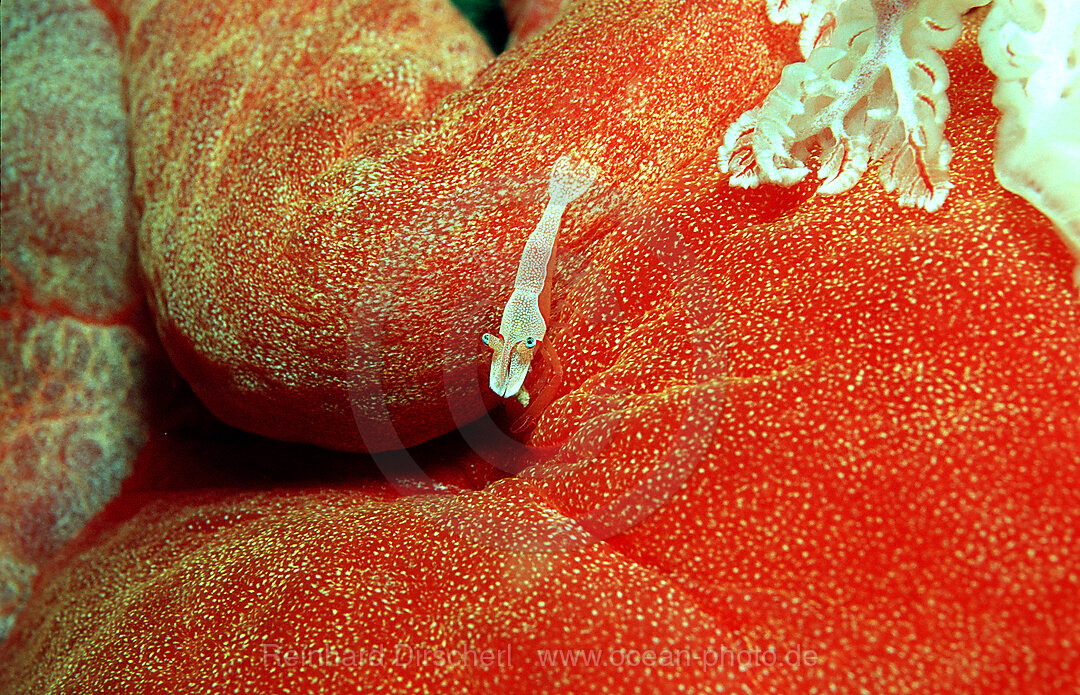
(72, 367)
(789, 421)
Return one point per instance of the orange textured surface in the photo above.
(238, 578)
(886, 458)
(791, 422)
(286, 204)
(255, 248)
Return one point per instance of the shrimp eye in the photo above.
(486, 338)
(530, 342)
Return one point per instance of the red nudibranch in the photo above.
(829, 437)
(319, 229)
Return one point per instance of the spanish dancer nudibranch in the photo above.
(523, 325)
(872, 88)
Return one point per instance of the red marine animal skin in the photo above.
(802, 442)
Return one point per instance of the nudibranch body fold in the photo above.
(523, 324)
(872, 88)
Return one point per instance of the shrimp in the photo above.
(524, 320)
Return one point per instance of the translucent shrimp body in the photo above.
(523, 324)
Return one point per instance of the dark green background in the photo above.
(487, 16)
